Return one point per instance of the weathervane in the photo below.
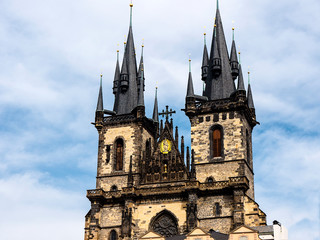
(167, 113)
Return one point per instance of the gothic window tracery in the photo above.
(165, 224)
(119, 155)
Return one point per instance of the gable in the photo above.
(151, 235)
(243, 229)
(197, 232)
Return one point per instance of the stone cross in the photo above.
(167, 113)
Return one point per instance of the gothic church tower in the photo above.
(148, 181)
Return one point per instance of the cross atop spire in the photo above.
(167, 113)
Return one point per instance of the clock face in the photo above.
(165, 146)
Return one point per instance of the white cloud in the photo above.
(33, 210)
(52, 54)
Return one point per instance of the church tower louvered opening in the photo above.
(148, 181)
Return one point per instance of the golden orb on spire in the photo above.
(131, 4)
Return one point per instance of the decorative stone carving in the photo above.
(126, 222)
(165, 224)
(191, 216)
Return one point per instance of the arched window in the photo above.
(165, 224)
(210, 180)
(114, 188)
(119, 155)
(113, 235)
(217, 142)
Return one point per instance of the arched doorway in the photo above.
(164, 223)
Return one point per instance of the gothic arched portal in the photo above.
(164, 223)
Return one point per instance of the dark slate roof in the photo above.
(205, 58)
(140, 81)
(222, 86)
(141, 93)
(219, 236)
(240, 79)
(155, 115)
(127, 101)
(263, 230)
(190, 91)
(116, 83)
(140, 65)
(180, 237)
(100, 97)
(250, 98)
(233, 55)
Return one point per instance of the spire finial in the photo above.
(131, 6)
(217, 4)
(233, 30)
(118, 52)
(189, 62)
(125, 41)
(205, 36)
(101, 75)
(248, 74)
(142, 47)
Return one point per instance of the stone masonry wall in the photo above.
(234, 147)
(134, 137)
(207, 213)
(144, 212)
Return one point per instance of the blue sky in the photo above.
(51, 55)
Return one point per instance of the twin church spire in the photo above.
(219, 71)
(128, 84)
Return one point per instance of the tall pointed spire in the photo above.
(100, 98)
(219, 83)
(141, 90)
(234, 59)
(140, 69)
(250, 98)
(116, 84)
(128, 98)
(155, 115)
(205, 60)
(190, 91)
(240, 80)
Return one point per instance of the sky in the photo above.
(52, 53)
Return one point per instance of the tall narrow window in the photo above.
(119, 155)
(108, 149)
(217, 209)
(217, 140)
(113, 235)
(248, 147)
